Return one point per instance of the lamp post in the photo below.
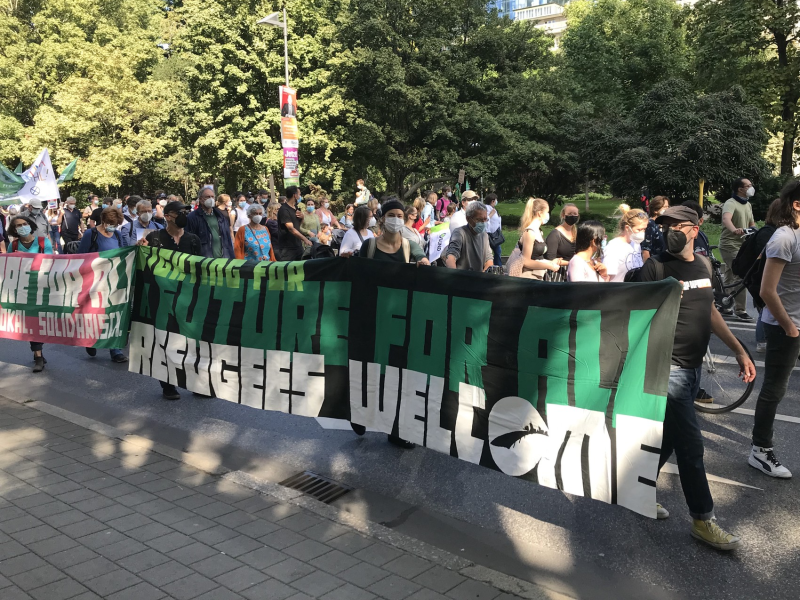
(273, 20)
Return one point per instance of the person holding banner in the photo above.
(697, 319)
(291, 241)
(36, 213)
(253, 242)
(532, 244)
(22, 229)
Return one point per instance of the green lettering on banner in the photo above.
(299, 318)
(544, 330)
(428, 311)
(469, 337)
(631, 399)
(335, 323)
(295, 276)
(265, 314)
(195, 266)
(168, 287)
(229, 297)
(588, 393)
(163, 264)
(390, 323)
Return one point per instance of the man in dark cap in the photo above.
(697, 318)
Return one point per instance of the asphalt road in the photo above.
(578, 547)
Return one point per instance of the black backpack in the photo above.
(750, 261)
(321, 251)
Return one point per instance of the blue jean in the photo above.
(683, 437)
(55, 237)
(115, 352)
(498, 255)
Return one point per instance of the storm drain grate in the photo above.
(319, 487)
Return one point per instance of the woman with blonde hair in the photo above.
(531, 241)
(624, 252)
(419, 224)
(561, 241)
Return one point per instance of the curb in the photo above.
(210, 463)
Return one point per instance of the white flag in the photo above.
(440, 237)
(40, 181)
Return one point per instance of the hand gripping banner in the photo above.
(69, 299)
(560, 384)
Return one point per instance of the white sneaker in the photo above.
(761, 347)
(764, 460)
(661, 513)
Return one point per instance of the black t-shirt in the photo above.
(97, 215)
(559, 246)
(288, 214)
(189, 242)
(693, 329)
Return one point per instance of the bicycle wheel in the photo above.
(721, 381)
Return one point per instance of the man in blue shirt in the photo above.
(142, 225)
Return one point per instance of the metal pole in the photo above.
(286, 46)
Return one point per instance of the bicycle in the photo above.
(722, 382)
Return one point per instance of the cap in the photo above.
(679, 213)
(469, 195)
(176, 206)
(162, 195)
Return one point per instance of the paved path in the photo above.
(86, 516)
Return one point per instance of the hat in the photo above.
(162, 195)
(468, 195)
(392, 205)
(175, 206)
(679, 213)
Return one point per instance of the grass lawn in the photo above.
(601, 208)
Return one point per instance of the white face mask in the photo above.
(546, 219)
(637, 237)
(162, 202)
(326, 205)
(256, 219)
(208, 202)
(751, 191)
(145, 217)
(393, 224)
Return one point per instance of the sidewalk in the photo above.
(86, 516)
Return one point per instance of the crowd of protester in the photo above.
(649, 244)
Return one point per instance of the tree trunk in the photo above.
(586, 191)
(408, 193)
(789, 99)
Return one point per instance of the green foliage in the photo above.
(753, 43)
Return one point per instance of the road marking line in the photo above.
(673, 470)
(741, 328)
(747, 411)
(731, 360)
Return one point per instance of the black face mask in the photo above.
(676, 241)
(571, 219)
(180, 221)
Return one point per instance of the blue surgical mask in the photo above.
(110, 228)
(546, 219)
(242, 204)
(310, 208)
(23, 230)
(480, 227)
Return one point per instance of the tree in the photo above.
(754, 43)
(617, 50)
(675, 137)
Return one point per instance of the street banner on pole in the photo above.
(561, 385)
(69, 299)
(289, 135)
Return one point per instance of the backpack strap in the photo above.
(93, 243)
(406, 245)
(706, 261)
(371, 243)
(15, 245)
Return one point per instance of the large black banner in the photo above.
(560, 384)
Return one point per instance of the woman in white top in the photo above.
(586, 265)
(239, 216)
(358, 234)
(624, 253)
(537, 213)
(325, 215)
